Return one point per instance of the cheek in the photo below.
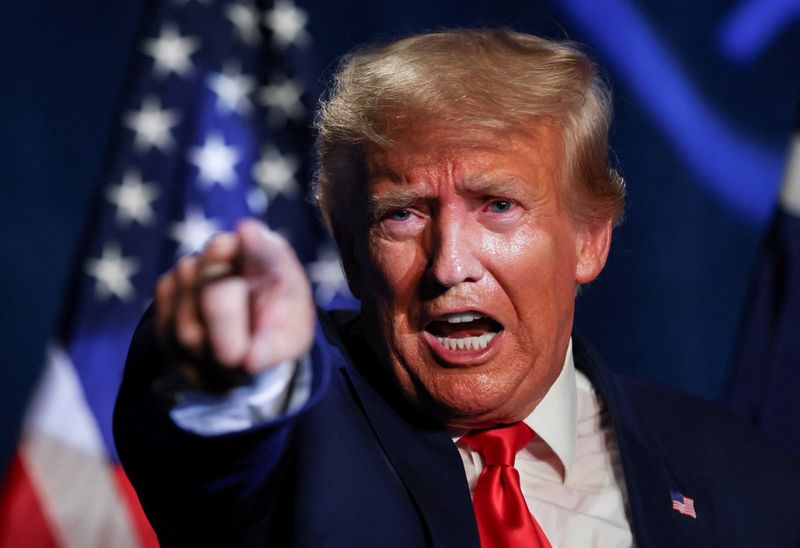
(389, 303)
(537, 271)
(521, 258)
(398, 267)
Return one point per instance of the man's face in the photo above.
(469, 269)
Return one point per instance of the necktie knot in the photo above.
(500, 510)
(499, 446)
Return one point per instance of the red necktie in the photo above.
(504, 520)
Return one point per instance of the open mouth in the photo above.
(465, 331)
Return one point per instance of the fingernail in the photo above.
(269, 234)
(215, 271)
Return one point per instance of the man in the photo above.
(464, 175)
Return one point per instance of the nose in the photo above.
(455, 255)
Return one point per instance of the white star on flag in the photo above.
(216, 162)
(171, 52)
(326, 273)
(193, 232)
(245, 19)
(134, 199)
(283, 100)
(151, 125)
(287, 23)
(113, 273)
(257, 201)
(232, 88)
(274, 173)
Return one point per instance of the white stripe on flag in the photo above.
(790, 191)
(65, 459)
(58, 409)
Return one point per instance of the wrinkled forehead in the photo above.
(424, 146)
(417, 126)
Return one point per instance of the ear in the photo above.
(347, 251)
(593, 243)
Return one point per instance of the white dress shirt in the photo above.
(274, 391)
(570, 473)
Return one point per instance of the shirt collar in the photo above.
(555, 418)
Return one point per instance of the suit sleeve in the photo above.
(197, 490)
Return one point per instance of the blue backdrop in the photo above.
(705, 96)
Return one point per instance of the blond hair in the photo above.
(493, 79)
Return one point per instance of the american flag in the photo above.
(683, 504)
(215, 128)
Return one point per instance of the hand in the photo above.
(244, 303)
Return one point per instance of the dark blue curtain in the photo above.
(705, 94)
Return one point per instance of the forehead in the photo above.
(429, 154)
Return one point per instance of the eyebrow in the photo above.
(398, 198)
(500, 186)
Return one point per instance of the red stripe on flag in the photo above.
(22, 518)
(145, 532)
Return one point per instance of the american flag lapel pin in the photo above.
(682, 504)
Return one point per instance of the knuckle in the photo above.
(189, 335)
(220, 244)
(164, 287)
(185, 270)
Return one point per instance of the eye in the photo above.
(399, 215)
(400, 222)
(500, 206)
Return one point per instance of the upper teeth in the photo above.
(461, 318)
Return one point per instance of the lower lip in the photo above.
(462, 358)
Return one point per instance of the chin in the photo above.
(469, 403)
(480, 419)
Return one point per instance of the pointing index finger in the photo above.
(263, 250)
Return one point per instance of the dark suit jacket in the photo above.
(358, 467)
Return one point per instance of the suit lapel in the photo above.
(649, 476)
(421, 452)
(428, 463)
